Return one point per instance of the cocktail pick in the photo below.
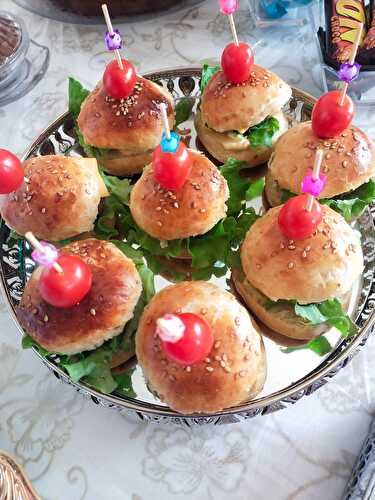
(314, 182)
(65, 280)
(44, 253)
(113, 38)
(301, 215)
(186, 338)
(171, 160)
(350, 68)
(228, 7)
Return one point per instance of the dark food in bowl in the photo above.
(10, 38)
(116, 7)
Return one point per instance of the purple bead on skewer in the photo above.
(47, 257)
(113, 41)
(348, 72)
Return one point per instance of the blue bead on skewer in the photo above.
(170, 145)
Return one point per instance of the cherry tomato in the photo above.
(195, 344)
(295, 222)
(237, 61)
(11, 172)
(119, 83)
(68, 288)
(171, 170)
(329, 119)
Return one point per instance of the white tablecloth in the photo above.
(72, 449)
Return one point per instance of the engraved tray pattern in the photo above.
(16, 266)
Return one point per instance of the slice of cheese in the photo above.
(92, 164)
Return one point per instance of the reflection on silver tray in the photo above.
(290, 376)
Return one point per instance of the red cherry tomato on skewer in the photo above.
(172, 169)
(11, 172)
(68, 288)
(237, 61)
(195, 344)
(119, 83)
(295, 222)
(329, 119)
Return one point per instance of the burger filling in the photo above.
(350, 205)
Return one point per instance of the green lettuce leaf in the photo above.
(77, 94)
(207, 73)
(240, 188)
(183, 109)
(262, 134)
(352, 204)
(320, 346)
(124, 383)
(349, 205)
(13, 238)
(121, 188)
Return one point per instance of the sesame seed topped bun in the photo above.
(349, 161)
(130, 130)
(192, 210)
(59, 198)
(233, 372)
(226, 106)
(100, 316)
(323, 266)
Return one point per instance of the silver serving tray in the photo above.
(290, 376)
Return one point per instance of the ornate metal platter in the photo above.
(290, 376)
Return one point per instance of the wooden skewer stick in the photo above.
(315, 175)
(36, 244)
(111, 32)
(164, 117)
(233, 29)
(351, 61)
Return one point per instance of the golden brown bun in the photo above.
(320, 267)
(236, 367)
(194, 209)
(100, 316)
(223, 146)
(226, 106)
(59, 198)
(280, 317)
(136, 132)
(349, 160)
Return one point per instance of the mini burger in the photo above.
(242, 120)
(57, 199)
(299, 288)
(199, 349)
(349, 162)
(189, 211)
(124, 132)
(95, 334)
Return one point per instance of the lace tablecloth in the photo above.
(72, 449)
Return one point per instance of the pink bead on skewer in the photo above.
(228, 7)
(314, 182)
(44, 253)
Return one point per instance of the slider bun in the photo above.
(280, 317)
(238, 360)
(58, 200)
(192, 210)
(308, 270)
(222, 146)
(138, 131)
(100, 316)
(226, 106)
(349, 159)
(272, 190)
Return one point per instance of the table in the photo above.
(72, 449)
